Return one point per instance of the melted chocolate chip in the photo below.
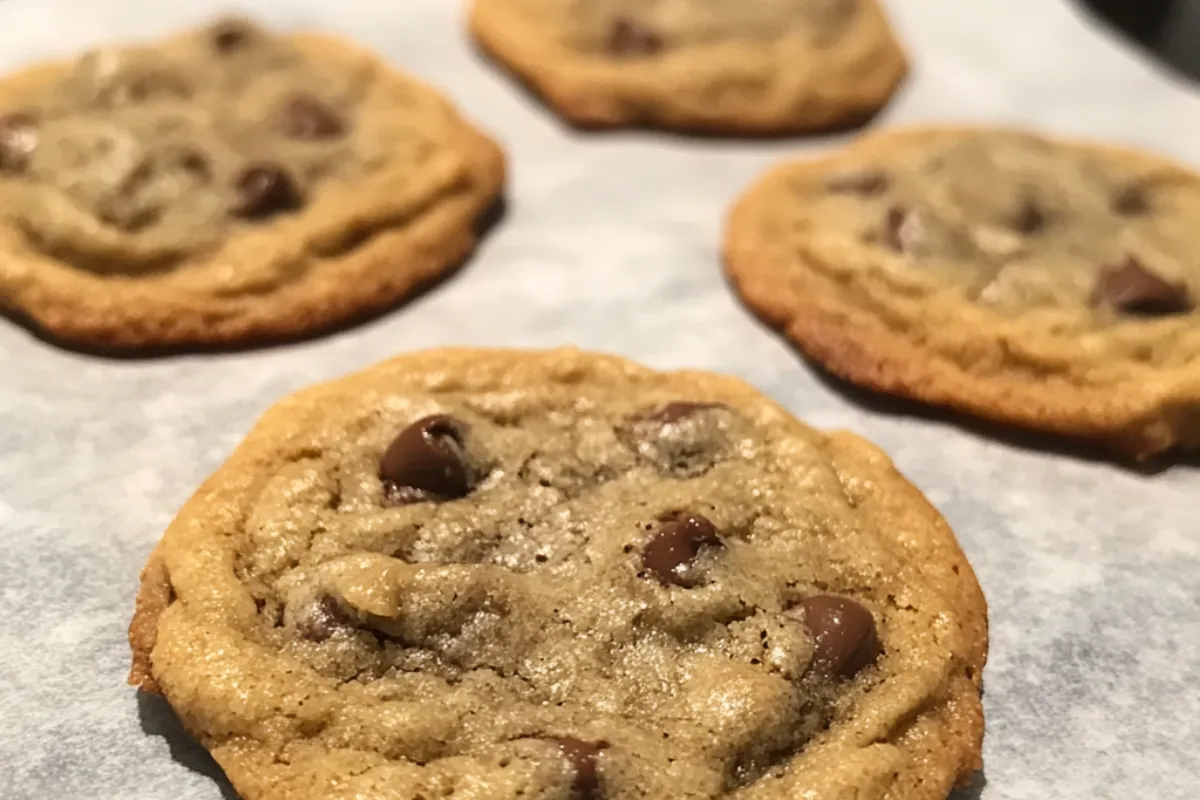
(630, 38)
(670, 554)
(1029, 216)
(427, 461)
(844, 636)
(18, 138)
(583, 757)
(1132, 288)
(305, 117)
(1131, 201)
(902, 229)
(265, 189)
(674, 412)
(864, 182)
(322, 620)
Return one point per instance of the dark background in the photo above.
(1166, 30)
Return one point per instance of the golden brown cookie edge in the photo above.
(953, 736)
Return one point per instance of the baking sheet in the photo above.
(1092, 572)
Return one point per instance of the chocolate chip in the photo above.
(865, 182)
(18, 138)
(628, 37)
(305, 117)
(674, 412)
(322, 620)
(265, 189)
(1131, 201)
(844, 636)
(669, 556)
(583, 757)
(902, 229)
(231, 35)
(1029, 216)
(1132, 288)
(195, 164)
(428, 461)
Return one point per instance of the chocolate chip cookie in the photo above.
(229, 185)
(715, 66)
(1019, 278)
(488, 574)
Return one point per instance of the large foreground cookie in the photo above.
(717, 66)
(1030, 281)
(229, 185)
(499, 575)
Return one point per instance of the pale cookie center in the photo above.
(609, 583)
(1020, 223)
(627, 29)
(142, 158)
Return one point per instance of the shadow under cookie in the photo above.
(1019, 438)
(973, 791)
(157, 719)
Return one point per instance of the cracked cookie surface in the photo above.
(1023, 279)
(226, 185)
(717, 66)
(495, 574)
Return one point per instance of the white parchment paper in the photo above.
(1092, 572)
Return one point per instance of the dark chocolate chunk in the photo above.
(305, 117)
(265, 189)
(902, 229)
(583, 757)
(670, 554)
(1133, 289)
(1029, 216)
(865, 182)
(18, 138)
(322, 620)
(674, 412)
(844, 636)
(428, 461)
(630, 38)
(1131, 201)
